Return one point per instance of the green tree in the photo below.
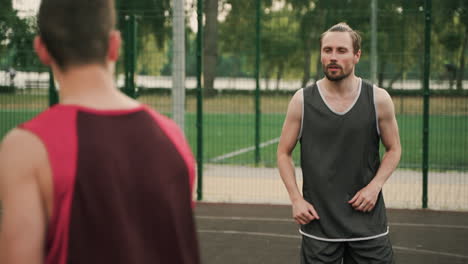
(312, 22)
(280, 55)
(16, 39)
(153, 17)
(151, 58)
(449, 40)
(237, 35)
(210, 45)
(317, 16)
(280, 44)
(462, 16)
(153, 20)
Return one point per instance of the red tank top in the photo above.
(122, 182)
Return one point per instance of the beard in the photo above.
(335, 77)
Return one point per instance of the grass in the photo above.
(224, 133)
(229, 125)
(10, 119)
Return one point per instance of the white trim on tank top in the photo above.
(375, 107)
(302, 115)
(360, 85)
(350, 107)
(343, 239)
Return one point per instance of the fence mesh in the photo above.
(289, 59)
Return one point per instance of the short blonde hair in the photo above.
(343, 27)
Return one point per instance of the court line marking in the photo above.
(431, 252)
(234, 232)
(242, 151)
(22, 110)
(266, 219)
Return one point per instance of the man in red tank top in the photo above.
(99, 177)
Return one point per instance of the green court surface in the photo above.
(229, 138)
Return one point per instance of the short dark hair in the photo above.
(76, 32)
(343, 27)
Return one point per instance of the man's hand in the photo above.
(303, 212)
(365, 199)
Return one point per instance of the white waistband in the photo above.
(343, 239)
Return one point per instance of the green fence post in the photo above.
(199, 101)
(53, 95)
(257, 83)
(130, 55)
(426, 94)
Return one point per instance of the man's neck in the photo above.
(342, 87)
(91, 86)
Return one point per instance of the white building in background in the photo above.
(41, 81)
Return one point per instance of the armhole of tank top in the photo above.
(302, 116)
(375, 110)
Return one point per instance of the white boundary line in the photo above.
(432, 252)
(234, 232)
(244, 150)
(239, 218)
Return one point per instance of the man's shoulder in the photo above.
(381, 95)
(310, 85)
(21, 149)
(298, 98)
(52, 116)
(169, 126)
(384, 102)
(18, 138)
(365, 83)
(162, 120)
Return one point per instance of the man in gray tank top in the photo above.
(340, 121)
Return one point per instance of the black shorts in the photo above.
(372, 251)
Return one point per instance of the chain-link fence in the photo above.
(241, 130)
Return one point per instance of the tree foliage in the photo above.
(16, 40)
(400, 36)
(290, 32)
(153, 16)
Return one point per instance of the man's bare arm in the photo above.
(303, 212)
(390, 138)
(366, 198)
(23, 219)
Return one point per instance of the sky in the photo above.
(26, 7)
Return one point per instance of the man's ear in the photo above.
(357, 56)
(114, 45)
(41, 51)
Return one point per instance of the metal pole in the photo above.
(257, 83)
(426, 94)
(178, 64)
(373, 54)
(130, 55)
(53, 95)
(199, 100)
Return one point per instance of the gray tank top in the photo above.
(340, 156)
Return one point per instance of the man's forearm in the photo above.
(387, 167)
(288, 175)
